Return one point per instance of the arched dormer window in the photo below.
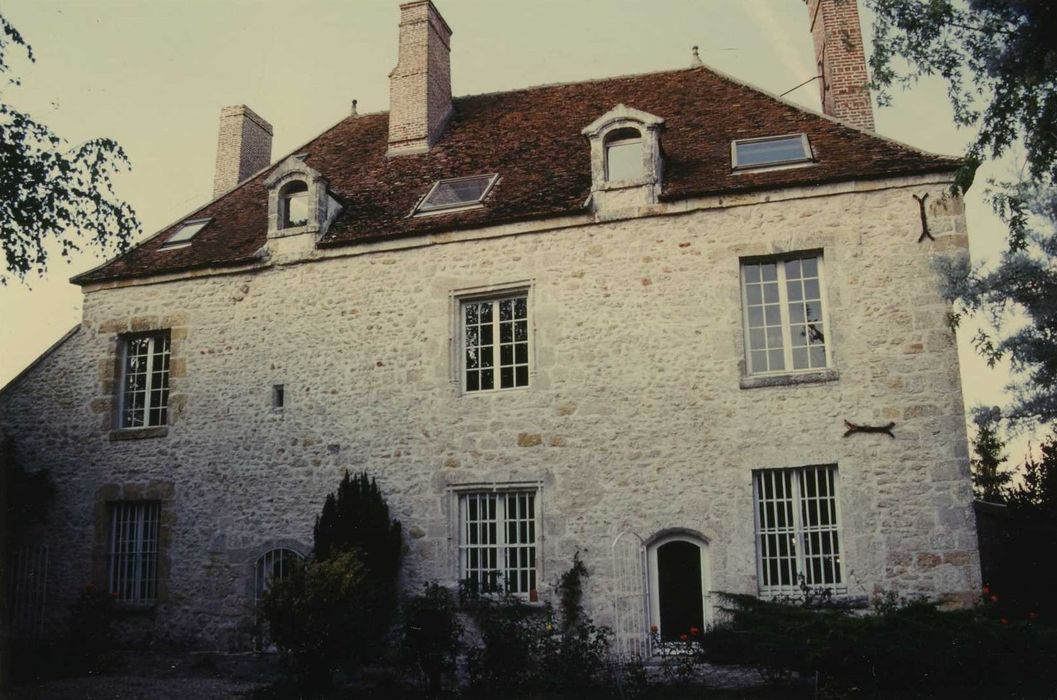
(293, 204)
(626, 162)
(299, 200)
(624, 155)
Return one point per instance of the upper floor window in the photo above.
(293, 203)
(185, 233)
(495, 348)
(797, 528)
(497, 542)
(785, 320)
(770, 150)
(624, 155)
(145, 380)
(456, 193)
(132, 551)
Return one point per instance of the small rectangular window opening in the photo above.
(185, 233)
(278, 395)
(456, 192)
(771, 150)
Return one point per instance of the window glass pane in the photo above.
(297, 209)
(457, 193)
(185, 233)
(483, 346)
(624, 161)
(777, 150)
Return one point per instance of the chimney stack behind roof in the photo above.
(420, 85)
(841, 61)
(244, 146)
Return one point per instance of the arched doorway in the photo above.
(679, 585)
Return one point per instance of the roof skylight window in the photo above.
(770, 151)
(456, 193)
(185, 233)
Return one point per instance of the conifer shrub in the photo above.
(336, 610)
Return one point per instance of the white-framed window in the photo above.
(784, 315)
(274, 565)
(770, 151)
(498, 540)
(132, 551)
(293, 204)
(495, 342)
(624, 160)
(797, 529)
(184, 234)
(456, 193)
(145, 380)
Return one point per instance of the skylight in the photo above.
(185, 233)
(770, 150)
(456, 193)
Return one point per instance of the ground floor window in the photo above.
(797, 528)
(497, 541)
(132, 557)
(679, 586)
(274, 565)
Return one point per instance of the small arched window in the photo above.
(293, 205)
(624, 155)
(274, 565)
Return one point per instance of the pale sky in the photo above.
(154, 74)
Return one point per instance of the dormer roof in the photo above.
(532, 139)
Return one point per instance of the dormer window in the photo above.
(624, 155)
(299, 201)
(627, 166)
(770, 151)
(184, 234)
(456, 193)
(293, 203)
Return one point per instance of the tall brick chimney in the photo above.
(420, 85)
(841, 61)
(244, 146)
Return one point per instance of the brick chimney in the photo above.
(841, 61)
(244, 146)
(420, 85)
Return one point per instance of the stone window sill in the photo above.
(826, 375)
(156, 431)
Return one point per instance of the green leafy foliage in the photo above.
(997, 58)
(336, 611)
(526, 648)
(432, 636)
(989, 479)
(51, 191)
(913, 650)
(316, 616)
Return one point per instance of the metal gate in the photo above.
(630, 596)
(26, 587)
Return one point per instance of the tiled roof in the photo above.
(532, 139)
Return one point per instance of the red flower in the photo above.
(683, 637)
(1004, 621)
(987, 589)
(653, 629)
(694, 631)
(994, 599)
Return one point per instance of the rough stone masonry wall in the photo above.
(634, 419)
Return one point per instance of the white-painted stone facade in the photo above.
(635, 418)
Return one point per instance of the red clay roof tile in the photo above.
(532, 139)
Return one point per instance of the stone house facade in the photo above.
(635, 318)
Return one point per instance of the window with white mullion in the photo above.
(798, 532)
(133, 551)
(145, 381)
(498, 545)
(495, 344)
(785, 326)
